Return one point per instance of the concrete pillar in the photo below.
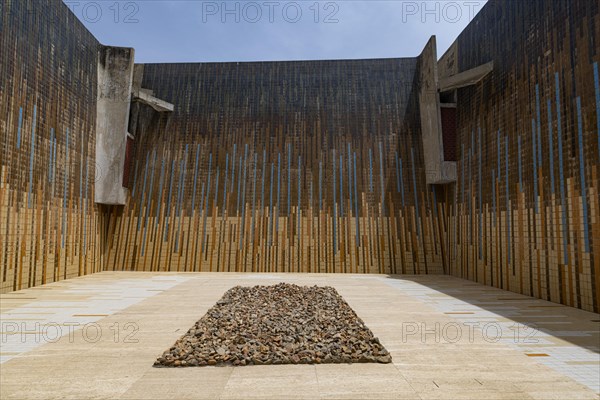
(436, 169)
(115, 76)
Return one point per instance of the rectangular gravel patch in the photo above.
(278, 324)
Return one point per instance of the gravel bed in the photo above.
(279, 324)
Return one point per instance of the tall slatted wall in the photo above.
(281, 167)
(48, 73)
(526, 212)
(312, 166)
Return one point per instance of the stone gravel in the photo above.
(278, 324)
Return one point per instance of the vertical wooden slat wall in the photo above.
(280, 167)
(48, 74)
(312, 166)
(526, 206)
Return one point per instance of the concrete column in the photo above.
(436, 169)
(115, 76)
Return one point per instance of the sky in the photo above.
(273, 30)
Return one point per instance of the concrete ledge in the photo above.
(466, 78)
(157, 104)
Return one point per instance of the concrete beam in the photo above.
(157, 104)
(466, 78)
(146, 96)
(115, 76)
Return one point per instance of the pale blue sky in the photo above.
(194, 30)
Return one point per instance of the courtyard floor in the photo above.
(98, 336)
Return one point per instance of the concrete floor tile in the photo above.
(422, 367)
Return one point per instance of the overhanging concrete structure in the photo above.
(466, 78)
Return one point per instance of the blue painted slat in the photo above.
(539, 126)
(215, 201)
(202, 200)
(180, 189)
(168, 216)
(320, 185)
(334, 205)
(356, 204)
(206, 203)
(298, 211)
(350, 179)
(81, 174)
(135, 172)
(397, 175)
(597, 88)
(195, 178)
(381, 179)
(66, 181)
(289, 186)
(401, 179)
(203, 216)
(31, 156)
(508, 212)
(270, 232)
(479, 194)
(225, 184)
(81, 181)
(341, 186)
(520, 163)
(239, 189)
(180, 197)
(560, 169)
(141, 204)
(50, 155)
(262, 192)
(499, 146)
(550, 146)
(233, 168)
(253, 200)
(310, 200)
(471, 185)
(150, 189)
(161, 182)
(278, 191)
(370, 171)
(469, 162)
(85, 202)
(216, 198)
(414, 176)
(494, 195)
(149, 201)
(54, 164)
(19, 127)
(462, 174)
(535, 168)
(586, 227)
(243, 223)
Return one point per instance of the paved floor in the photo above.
(97, 337)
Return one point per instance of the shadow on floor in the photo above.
(579, 327)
